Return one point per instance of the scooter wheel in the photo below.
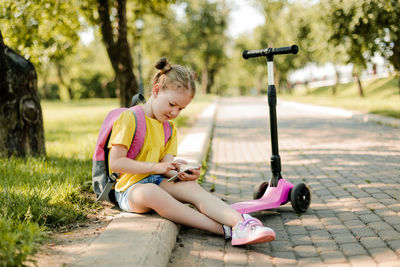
(259, 190)
(300, 197)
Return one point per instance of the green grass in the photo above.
(71, 128)
(381, 96)
(38, 194)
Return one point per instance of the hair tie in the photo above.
(167, 68)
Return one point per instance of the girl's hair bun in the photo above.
(161, 63)
(174, 73)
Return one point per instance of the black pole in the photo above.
(275, 158)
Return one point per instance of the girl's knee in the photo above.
(145, 193)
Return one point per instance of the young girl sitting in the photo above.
(143, 183)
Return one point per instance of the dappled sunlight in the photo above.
(352, 169)
(211, 250)
(295, 161)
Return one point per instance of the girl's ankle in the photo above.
(227, 231)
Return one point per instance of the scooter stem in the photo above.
(275, 158)
(269, 54)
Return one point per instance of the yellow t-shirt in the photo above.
(153, 149)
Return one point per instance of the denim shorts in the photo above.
(122, 197)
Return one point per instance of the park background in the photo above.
(92, 56)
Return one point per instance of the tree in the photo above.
(194, 37)
(47, 31)
(113, 21)
(117, 46)
(281, 29)
(312, 37)
(161, 37)
(204, 29)
(43, 31)
(367, 28)
(250, 73)
(21, 118)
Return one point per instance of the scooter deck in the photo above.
(272, 199)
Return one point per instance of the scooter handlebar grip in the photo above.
(286, 50)
(270, 51)
(253, 53)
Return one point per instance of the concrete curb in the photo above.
(193, 147)
(357, 115)
(148, 240)
(132, 240)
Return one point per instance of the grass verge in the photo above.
(381, 96)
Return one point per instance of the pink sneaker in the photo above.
(251, 231)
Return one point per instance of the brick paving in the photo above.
(351, 167)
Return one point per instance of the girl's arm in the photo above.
(120, 163)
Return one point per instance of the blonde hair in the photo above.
(181, 76)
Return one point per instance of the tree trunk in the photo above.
(117, 46)
(360, 89)
(21, 120)
(398, 82)
(277, 80)
(63, 85)
(337, 81)
(204, 79)
(211, 78)
(260, 84)
(44, 94)
(395, 59)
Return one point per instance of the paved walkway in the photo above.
(352, 168)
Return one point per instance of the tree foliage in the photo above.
(41, 30)
(281, 29)
(205, 26)
(367, 28)
(191, 33)
(47, 31)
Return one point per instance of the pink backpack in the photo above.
(102, 180)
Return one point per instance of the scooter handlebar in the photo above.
(270, 51)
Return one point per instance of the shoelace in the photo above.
(253, 222)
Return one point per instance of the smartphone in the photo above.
(188, 171)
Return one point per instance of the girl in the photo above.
(143, 183)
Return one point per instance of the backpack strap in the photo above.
(167, 131)
(139, 133)
(104, 135)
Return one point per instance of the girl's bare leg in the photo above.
(146, 197)
(206, 203)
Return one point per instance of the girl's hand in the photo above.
(164, 167)
(184, 176)
(180, 162)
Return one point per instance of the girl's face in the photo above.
(169, 102)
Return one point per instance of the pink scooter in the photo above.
(278, 191)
